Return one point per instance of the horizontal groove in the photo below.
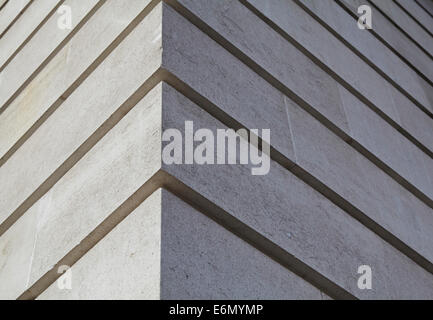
(4, 4)
(289, 93)
(52, 55)
(425, 9)
(108, 224)
(397, 177)
(301, 173)
(81, 150)
(365, 59)
(161, 179)
(31, 34)
(254, 238)
(113, 45)
(275, 252)
(413, 18)
(385, 43)
(280, 86)
(163, 75)
(391, 20)
(16, 18)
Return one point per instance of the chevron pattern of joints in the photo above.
(85, 186)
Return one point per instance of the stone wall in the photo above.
(85, 186)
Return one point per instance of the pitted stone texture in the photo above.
(399, 17)
(414, 120)
(39, 48)
(395, 39)
(310, 34)
(125, 264)
(418, 13)
(224, 80)
(9, 13)
(369, 46)
(184, 256)
(322, 235)
(202, 260)
(192, 66)
(64, 69)
(16, 248)
(426, 4)
(99, 183)
(378, 137)
(101, 94)
(23, 27)
(360, 182)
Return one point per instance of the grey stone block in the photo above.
(16, 247)
(196, 68)
(356, 179)
(102, 93)
(40, 46)
(399, 17)
(377, 136)
(202, 260)
(286, 216)
(381, 56)
(118, 165)
(298, 73)
(414, 120)
(395, 39)
(95, 163)
(58, 78)
(426, 4)
(100, 182)
(165, 249)
(9, 13)
(347, 65)
(295, 217)
(126, 264)
(23, 27)
(417, 13)
(222, 79)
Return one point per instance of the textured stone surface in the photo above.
(426, 4)
(16, 247)
(124, 265)
(188, 254)
(381, 139)
(356, 179)
(100, 182)
(253, 98)
(369, 46)
(39, 48)
(23, 27)
(296, 217)
(417, 13)
(118, 77)
(399, 17)
(395, 39)
(213, 72)
(406, 159)
(348, 66)
(10, 12)
(202, 260)
(65, 68)
(86, 153)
